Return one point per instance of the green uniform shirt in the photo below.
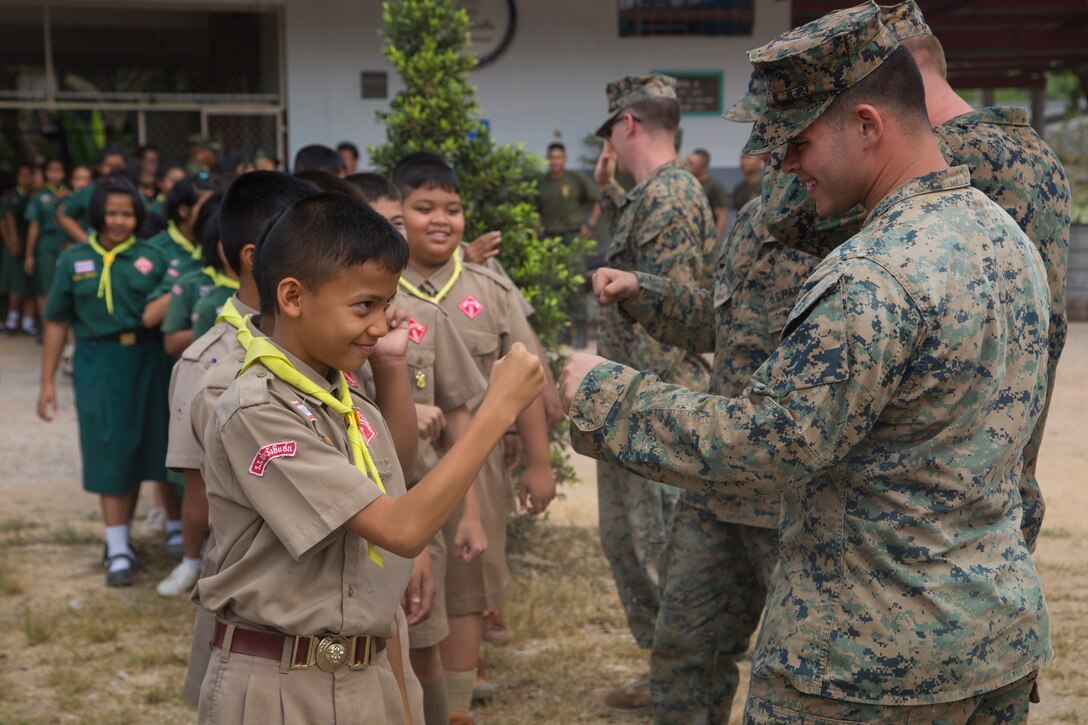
(74, 295)
(891, 420)
(208, 307)
(562, 202)
(745, 192)
(75, 206)
(715, 193)
(17, 202)
(184, 295)
(43, 209)
(180, 260)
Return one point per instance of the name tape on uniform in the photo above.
(285, 449)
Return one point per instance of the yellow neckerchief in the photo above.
(54, 190)
(220, 279)
(233, 317)
(417, 292)
(105, 287)
(20, 190)
(260, 349)
(179, 239)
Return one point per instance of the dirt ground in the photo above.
(73, 651)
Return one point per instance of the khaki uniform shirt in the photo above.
(891, 420)
(281, 485)
(661, 227)
(441, 371)
(185, 449)
(756, 282)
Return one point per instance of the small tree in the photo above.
(427, 42)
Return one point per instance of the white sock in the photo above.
(117, 543)
(172, 528)
(193, 564)
(13, 320)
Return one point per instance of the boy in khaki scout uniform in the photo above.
(441, 393)
(312, 525)
(486, 313)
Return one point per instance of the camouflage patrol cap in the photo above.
(806, 68)
(904, 20)
(751, 104)
(629, 90)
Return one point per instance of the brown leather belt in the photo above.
(329, 652)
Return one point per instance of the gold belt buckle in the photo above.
(333, 651)
(310, 652)
(352, 665)
(127, 338)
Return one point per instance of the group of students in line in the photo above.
(248, 356)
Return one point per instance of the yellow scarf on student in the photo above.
(180, 239)
(105, 286)
(221, 280)
(457, 267)
(260, 349)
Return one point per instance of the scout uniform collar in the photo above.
(436, 293)
(181, 240)
(105, 284)
(220, 280)
(305, 380)
(957, 177)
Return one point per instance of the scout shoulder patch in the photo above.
(416, 330)
(177, 290)
(172, 272)
(304, 410)
(350, 377)
(471, 307)
(368, 431)
(143, 265)
(83, 266)
(285, 449)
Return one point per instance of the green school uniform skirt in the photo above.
(121, 402)
(48, 249)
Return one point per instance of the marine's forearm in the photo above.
(673, 313)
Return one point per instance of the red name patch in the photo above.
(286, 449)
(416, 330)
(368, 431)
(471, 307)
(350, 377)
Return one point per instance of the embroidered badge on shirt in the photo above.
(206, 288)
(350, 377)
(368, 431)
(172, 272)
(416, 330)
(286, 449)
(304, 410)
(143, 265)
(177, 291)
(84, 266)
(471, 307)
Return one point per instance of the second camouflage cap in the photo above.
(904, 20)
(806, 68)
(629, 90)
(750, 105)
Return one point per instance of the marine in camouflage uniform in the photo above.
(891, 419)
(660, 228)
(722, 548)
(1008, 162)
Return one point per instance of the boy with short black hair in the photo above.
(304, 486)
(484, 308)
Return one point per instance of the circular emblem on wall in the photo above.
(493, 23)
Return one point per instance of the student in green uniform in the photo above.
(178, 324)
(148, 161)
(100, 290)
(72, 212)
(15, 283)
(45, 240)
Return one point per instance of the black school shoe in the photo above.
(121, 577)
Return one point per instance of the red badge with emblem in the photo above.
(416, 330)
(471, 307)
(368, 431)
(143, 265)
(350, 377)
(286, 449)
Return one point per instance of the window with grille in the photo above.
(685, 17)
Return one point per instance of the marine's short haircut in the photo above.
(348, 146)
(107, 186)
(895, 84)
(325, 181)
(187, 192)
(657, 114)
(250, 203)
(316, 156)
(374, 187)
(556, 145)
(206, 230)
(928, 53)
(424, 170)
(319, 237)
(702, 154)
